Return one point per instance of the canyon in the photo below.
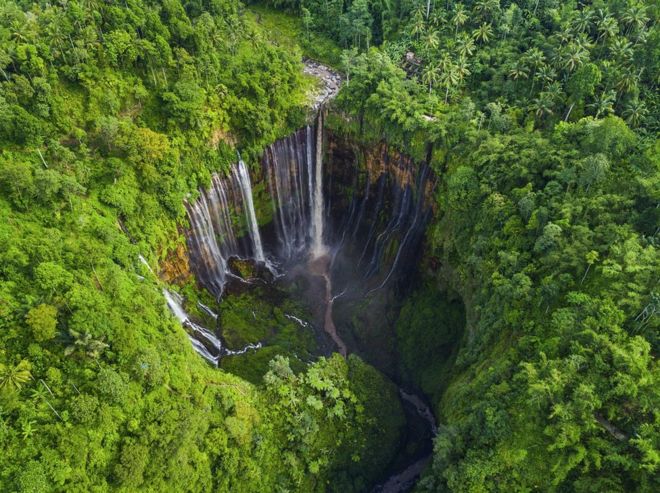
(345, 225)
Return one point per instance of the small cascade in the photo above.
(204, 341)
(144, 262)
(207, 310)
(299, 321)
(248, 347)
(175, 304)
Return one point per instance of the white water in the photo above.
(144, 261)
(243, 179)
(207, 310)
(204, 242)
(316, 224)
(174, 303)
(247, 348)
(300, 322)
(213, 239)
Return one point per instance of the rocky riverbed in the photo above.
(330, 82)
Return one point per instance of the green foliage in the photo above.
(12, 378)
(111, 114)
(546, 226)
(336, 403)
(287, 29)
(42, 319)
(428, 332)
(542, 130)
(547, 252)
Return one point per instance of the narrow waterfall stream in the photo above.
(245, 185)
(360, 245)
(204, 341)
(318, 247)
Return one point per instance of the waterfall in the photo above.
(316, 224)
(146, 264)
(242, 177)
(207, 248)
(214, 237)
(174, 302)
(380, 228)
(207, 310)
(289, 168)
(363, 239)
(294, 169)
(204, 341)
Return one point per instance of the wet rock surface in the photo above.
(331, 82)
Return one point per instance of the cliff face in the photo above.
(175, 268)
(347, 159)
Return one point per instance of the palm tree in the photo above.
(546, 74)
(543, 105)
(583, 21)
(621, 50)
(418, 26)
(518, 71)
(465, 45)
(462, 69)
(635, 112)
(431, 40)
(584, 41)
(555, 92)
(450, 76)
(459, 18)
(604, 104)
(564, 36)
(13, 378)
(606, 25)
(533, 58)
(483, 33)
(635, 18)
(86, 344)
(430, 76)
(627, 82)
(486, 8)
(573, 56)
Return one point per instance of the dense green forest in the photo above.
(111, 113)
(540, 120)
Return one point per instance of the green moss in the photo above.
(259, 316)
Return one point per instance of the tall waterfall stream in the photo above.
(357, 231)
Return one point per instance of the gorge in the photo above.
(329, 246)
(342, 227)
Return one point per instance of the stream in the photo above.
(403, 480)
